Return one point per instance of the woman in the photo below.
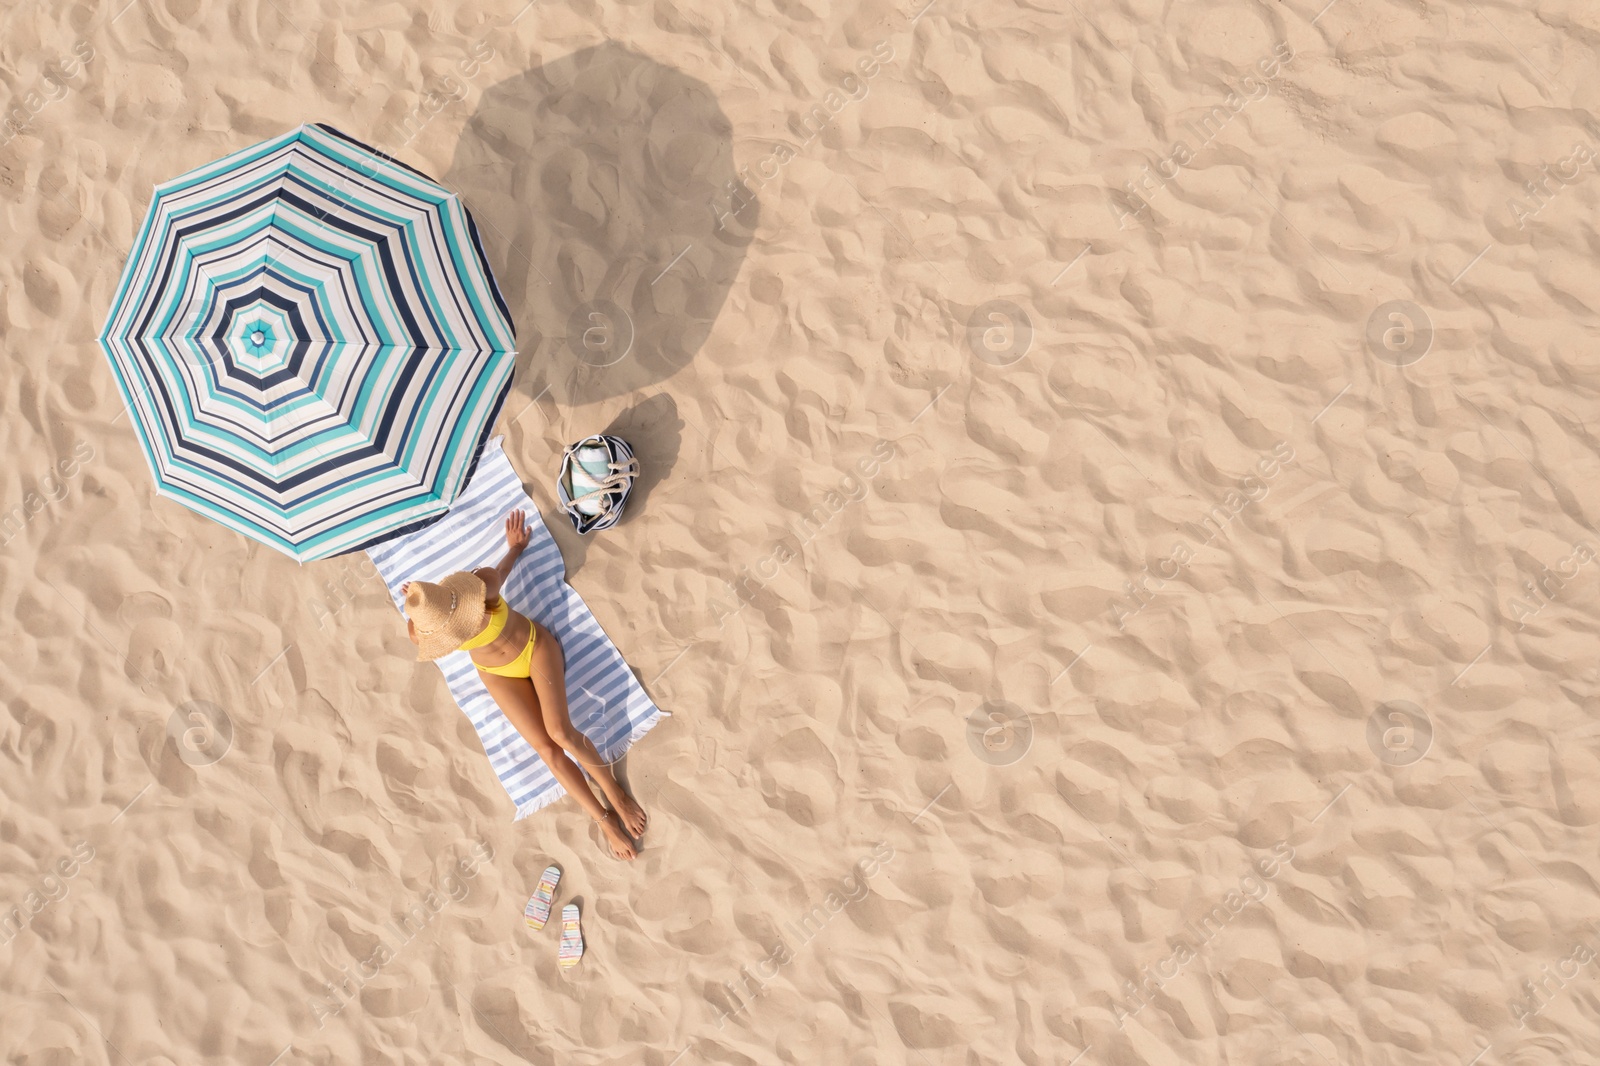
(521, 665)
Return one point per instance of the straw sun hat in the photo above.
(446, 614)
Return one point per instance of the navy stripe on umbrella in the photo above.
(311, 343)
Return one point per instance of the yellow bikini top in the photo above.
(497, 623)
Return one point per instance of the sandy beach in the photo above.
(1117, 541)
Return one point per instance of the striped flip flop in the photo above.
(571, 938)
(537, 912)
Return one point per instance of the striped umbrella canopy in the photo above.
(311, 343)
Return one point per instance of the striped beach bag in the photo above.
(597, 474)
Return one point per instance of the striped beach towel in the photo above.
(607, 702)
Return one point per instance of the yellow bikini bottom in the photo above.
(522, 665)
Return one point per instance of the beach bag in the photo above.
(597, 474)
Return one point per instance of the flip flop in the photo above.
(571, 938)
(537, 912)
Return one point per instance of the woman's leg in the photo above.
(517, 698)
(550, 681)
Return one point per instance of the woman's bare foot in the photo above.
(634, 820)
(621, 843)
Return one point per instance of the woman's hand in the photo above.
(516, 532)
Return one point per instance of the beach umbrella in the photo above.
(310, 343)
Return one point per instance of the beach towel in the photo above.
(607, 702)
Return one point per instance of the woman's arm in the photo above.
(516, 543)
(411, 627)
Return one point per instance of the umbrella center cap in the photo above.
(258, 337)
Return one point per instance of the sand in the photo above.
(1292, 603)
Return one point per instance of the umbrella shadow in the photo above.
(604, 187)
